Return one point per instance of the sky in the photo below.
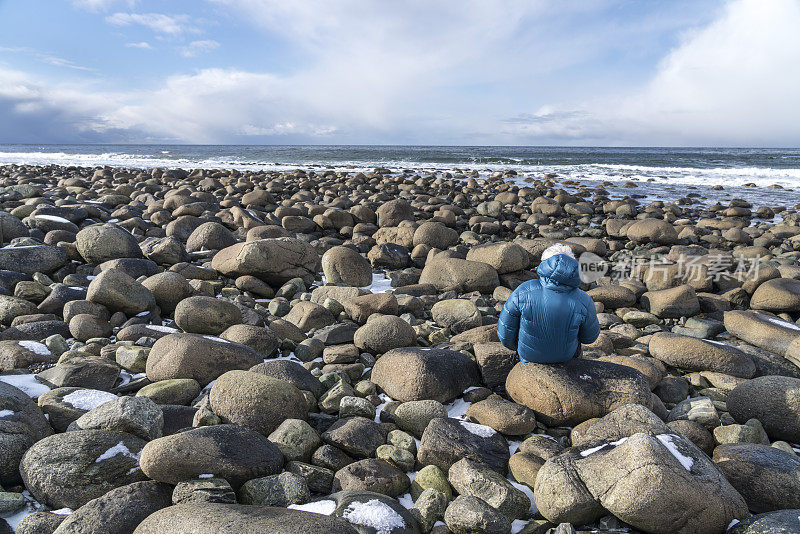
(442, 72)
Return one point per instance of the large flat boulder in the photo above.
(275, 261)
(660, 484)
(213, 518)
(572, 392)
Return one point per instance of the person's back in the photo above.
(546, 320)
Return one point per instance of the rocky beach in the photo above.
(316, 351)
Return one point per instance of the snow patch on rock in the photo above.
(479, 430)
(324, 507)
(88, 399)
(374, 514)
(35, 347)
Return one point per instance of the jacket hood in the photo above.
(560, 273)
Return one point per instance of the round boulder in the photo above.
(435, 235)
(384, 333)
(773, 400)
(168, 288)
(572, 392)
(70, 469)
(210, 236)
(394, 212)
(100, 243)
(411, 374)
(117, 291)
(652, 231)
(343, 265)
(504, 257)
(767, 477)
(256, 401)
(19, 429)
(693, 354)
(206, 315)
(672, 303)
(458, 315)
(777, 295)
(454, 274)
(275, 261)
(202, 358)
(232, 452)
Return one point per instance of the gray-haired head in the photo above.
(558, 248)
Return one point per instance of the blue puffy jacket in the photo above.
(545, 319)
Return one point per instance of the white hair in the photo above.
(558, 248)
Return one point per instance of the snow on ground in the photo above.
(533, 510)
(518, 525)
(375, 514)
(88, 399)
(35, 347)
(380, 283)
(31, 506)
(385, 399)
(27, 383)
(324, 507)
(6, 413)
(406, 500)
(457, 409)
(667, 439)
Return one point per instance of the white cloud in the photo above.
(44, 57)
(219, 104)
(96, 6)
(456, 72)
(33, 110)
(144, 45)
(733, 82)
(196, 48)
(172, 25)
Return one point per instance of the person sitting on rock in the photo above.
(546, 320)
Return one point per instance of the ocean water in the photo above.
(666, 173)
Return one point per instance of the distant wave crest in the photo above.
(726, 176)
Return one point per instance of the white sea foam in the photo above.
(670, 175)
